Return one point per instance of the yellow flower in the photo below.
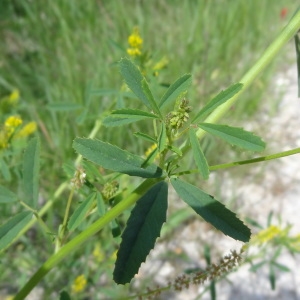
(161, 64)
(134, 51)
(14, 96)
(135, 40)
(150, 150)
(267, 234)
(13, 121)
(27, 130)
(79, 284)
(99, 253)
(135, 43)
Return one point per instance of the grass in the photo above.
(55, 52)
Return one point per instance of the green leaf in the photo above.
(162, 139)
(64, 296)
(150, 97)
(178, 87)
(64, 106)
(212, 211)
(272, 277)
(175, 150)
(235, 136)
(198, 155)
(100, 204)
(4, 168)
(31, 162)
(281, 267)
(142, 230)
(7, 196)
(113, 158)
(134, 80)
(145, 137)
(257, 266)
(80, 212)
(127, 116)
(10, 229)
(221, 98)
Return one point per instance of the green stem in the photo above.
(84, 236)
(245, 162)
(287, 33)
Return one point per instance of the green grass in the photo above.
(55, 51)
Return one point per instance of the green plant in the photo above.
(173, 135)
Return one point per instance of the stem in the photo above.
(84, 236)
(287, 33)
(245, 162)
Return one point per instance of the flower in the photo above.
(27, 130)
(14, 96)
(98, 253)
(13, 121)
(135, 43)
(79, 284)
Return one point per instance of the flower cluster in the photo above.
(176, 119)
(79, 178)
(135, 43)
(110, 189)
(12, 128)
(79, 284)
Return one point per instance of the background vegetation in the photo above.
(61, 55)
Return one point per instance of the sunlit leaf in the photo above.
(113, 158)
(10, 229)
(198, 155)
(235, 136)
(127, 116)
(80, 212)
(221, 98)
(142, 230)
(211, 210)
(180, 86)
(7, 196)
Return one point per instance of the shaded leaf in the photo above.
(212, 210)
(113, 158)
(178, 87)
(31, 162)
(133, 79)
(150, 97)
(127, 116)
(10, 229)
(145, 137)
(162, 139)
(80, 212)
(7, 196)
(235, 136)
(221, 98)
(198, 155)
(100, 205)
(142, 230)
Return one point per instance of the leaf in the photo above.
(100, 204)
(10, 229)
(64, 106)
(221, 98)
(272, 277)
(134, 80)
(198, 155)
(235, 136)
(281, 267)
(113, 158)
(64, 296)
(80, 212)
(162, 139)
(142, 230)
(178, 87)
(127, 116)
(212, 211)
(150, 98)
(31, 164)
(145, 137)
(4, 168)
(175, 150)
(7, 196)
